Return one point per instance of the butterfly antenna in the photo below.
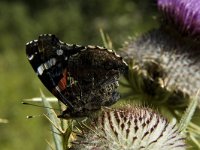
(32, 116)
(26, 103)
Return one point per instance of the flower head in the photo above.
(184, 14)
(164, 59)
(131, 128)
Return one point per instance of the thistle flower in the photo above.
(183, 14)
(131, 129)
(168, 56)
(175, 66)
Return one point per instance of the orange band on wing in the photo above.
(63, 81)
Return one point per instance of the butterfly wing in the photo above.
(48, 57)
(83, 78)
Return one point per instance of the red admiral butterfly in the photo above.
(84, 78)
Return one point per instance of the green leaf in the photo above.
(55, 123)
(186, 118)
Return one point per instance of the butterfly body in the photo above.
(84, 78)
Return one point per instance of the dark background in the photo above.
(73, 21)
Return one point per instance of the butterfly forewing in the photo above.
(49, 66)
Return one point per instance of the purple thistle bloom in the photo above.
(184, 14)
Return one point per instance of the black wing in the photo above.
(48, 57)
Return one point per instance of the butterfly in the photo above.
(83, 78)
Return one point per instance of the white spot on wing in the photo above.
(61, 42)
(46, 66)
(30, 57)
(57, 88)
(70, 45)
(59, 52)
(110, 50)
(40, 69)
(91, 46)
(100, 47)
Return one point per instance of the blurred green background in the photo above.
(73, 21)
